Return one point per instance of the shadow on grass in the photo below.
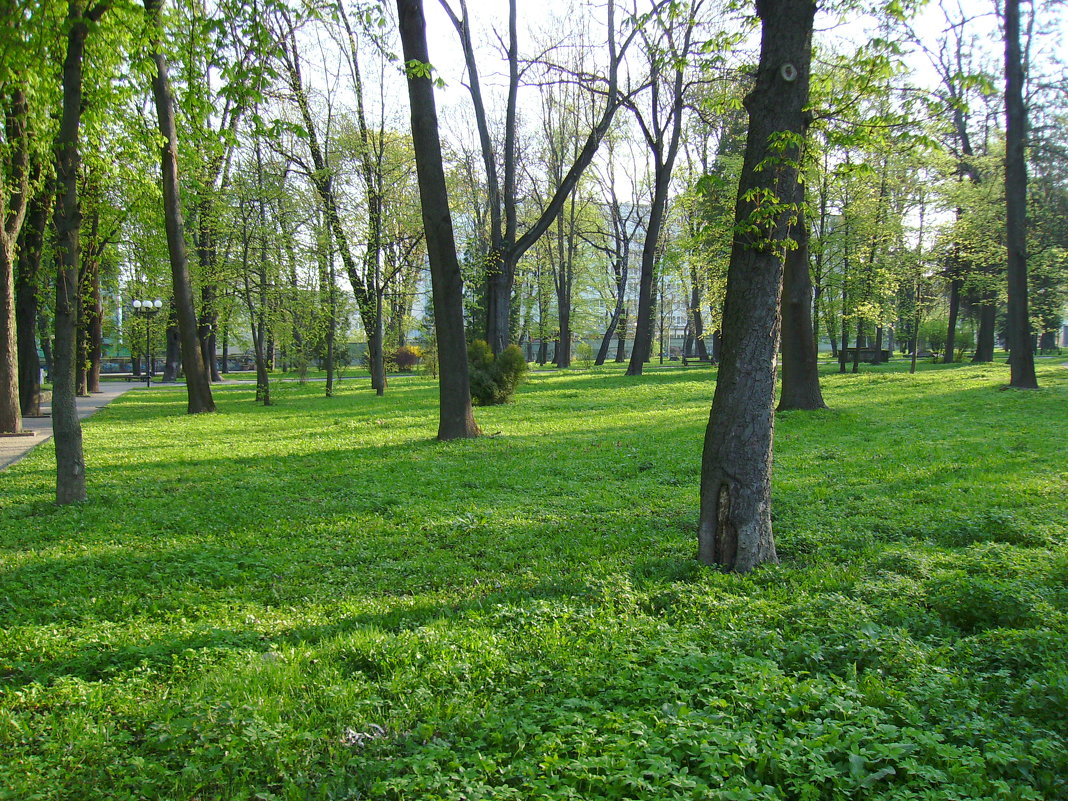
(100, 661)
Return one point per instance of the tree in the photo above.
(623, 221)
(735, 517)
(198, 381)
(70, 458)
(800, 367)
(366, 283)
(15, 192)
(455, 419)
(28, 284)
(507, 246)
(1021, 359)
(667, 35)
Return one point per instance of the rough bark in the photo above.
(455, 419)
(800, 367)
(197, 381)
(735, 520)
(1022, 360)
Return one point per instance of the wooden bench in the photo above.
(696, 360)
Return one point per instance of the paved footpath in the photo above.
(14, 448)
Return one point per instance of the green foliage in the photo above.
(248, 608)
(494, 379)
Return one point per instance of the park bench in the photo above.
(696, 360)
(866, 354)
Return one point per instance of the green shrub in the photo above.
(494, 379)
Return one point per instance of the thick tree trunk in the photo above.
(197, 382)
(499, 282)
(172, 359)
(1022, 360)
(455, 419)
(951, 329)
(800, 367)
(877, 357)
(984, 341)
(563, 353)
(735, 520)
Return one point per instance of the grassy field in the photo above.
(316, 600)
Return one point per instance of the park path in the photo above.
(13, 448)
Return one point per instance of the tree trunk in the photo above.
(1022, 361)
(206, 330)
(172, 359)
(610, 331)
(10, 410)
(642, 344)
(735, 520)
(14, 207)
(621, 341)
(455, 419)
(954, 312)
(44, 337)
(27, 283)
(800, 367)
(858, 345)
(197, 382)
(93, 311)
(70, 458)
(877, 357)
(984, 341)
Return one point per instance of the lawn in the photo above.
(318, 601)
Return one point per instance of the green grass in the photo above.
(317, 600)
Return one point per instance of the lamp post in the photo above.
(147, 309)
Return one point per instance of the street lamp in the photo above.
(147, 309)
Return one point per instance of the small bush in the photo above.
(406, 357)
(494, 379)
(585, 354)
